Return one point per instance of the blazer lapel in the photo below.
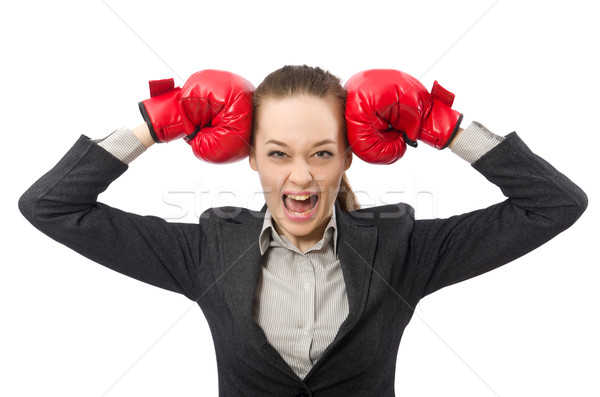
(355, 250)
(356, 243)
(240, 265)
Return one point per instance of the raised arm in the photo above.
(213, 112)
(63, 205)
(541, 203)
(388, 109)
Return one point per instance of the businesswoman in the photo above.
(309, 296)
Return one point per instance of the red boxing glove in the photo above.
(387, 109)
(212, 112)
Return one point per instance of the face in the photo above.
(300, 155)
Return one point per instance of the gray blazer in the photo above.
(389, 261)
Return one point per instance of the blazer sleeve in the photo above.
(541, 203)
(63, 205)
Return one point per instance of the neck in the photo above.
(304, 243)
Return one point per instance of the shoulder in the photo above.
(379, 216)
(231, 214)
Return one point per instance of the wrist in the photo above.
(122, 144)
(441, 126)
(474, 142)
(455, 138)
(142, 133)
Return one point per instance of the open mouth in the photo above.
(300, 205)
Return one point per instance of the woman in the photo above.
(310, 295)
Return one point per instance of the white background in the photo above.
(71, 327)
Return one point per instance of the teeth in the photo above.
(298, 196)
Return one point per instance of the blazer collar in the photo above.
(240, 270)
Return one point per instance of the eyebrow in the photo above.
(323, 142)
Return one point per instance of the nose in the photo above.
(300, 174)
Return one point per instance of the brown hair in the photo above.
(293, 80)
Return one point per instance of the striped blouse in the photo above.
(301, 298)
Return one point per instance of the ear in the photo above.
(252, 160)
(348, 159)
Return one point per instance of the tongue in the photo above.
(298, 205)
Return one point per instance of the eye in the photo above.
(323, 154)
(277, 154)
